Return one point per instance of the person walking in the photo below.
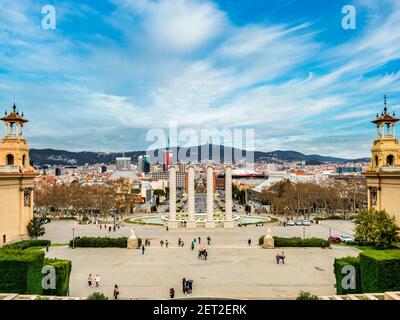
(190, 286)
(179, 242)
(47, 248)
(199, 240)
(283, 257)
(192, 246)
(142, 250)
(249, 242)
(166, 244)
(116, 292)
(278, 257)
(208, 240)
(183, 243)
(161, 243)
(172, 293)
(90, 281)
(184, 286)
(97, 280)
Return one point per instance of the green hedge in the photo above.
(299, 242)
(99, 242)
(25, 244)
(63, 271)
(338, 267)
(380, 270)
(20, 271)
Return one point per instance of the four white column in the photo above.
(191, 223)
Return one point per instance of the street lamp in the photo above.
(73, 238)
(304, 232)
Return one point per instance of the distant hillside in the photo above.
(42, 157)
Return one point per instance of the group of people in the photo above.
(96, 282)
(279, 257)
(115, 227)
(187, 286)
(162, 243)
(203, 253)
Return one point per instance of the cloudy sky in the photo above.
(114, 69)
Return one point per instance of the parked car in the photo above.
(345, 238)
(334, 239)
(299, 223)
(290, 223)
(45, 220)
(306, 223)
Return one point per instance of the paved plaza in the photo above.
(233, 270)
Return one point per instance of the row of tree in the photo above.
(83, 200)
(306, 198)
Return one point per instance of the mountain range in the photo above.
(43, 157)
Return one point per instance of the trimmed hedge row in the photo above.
(25, 244)
(100, 242)
(338, 266)
(63, 272)
(380, 270)
(20, 271)
(299, 242)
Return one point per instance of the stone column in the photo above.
(172, 197)
(228, 223)
(191, 223)
(210, 223)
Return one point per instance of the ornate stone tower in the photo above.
(16, 179)
(383, 174)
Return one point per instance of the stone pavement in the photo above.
(233, 269)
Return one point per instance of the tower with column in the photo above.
(210, 223)
(191, 223)
(228, 222)
(172, 223)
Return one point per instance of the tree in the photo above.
(377, 227)
(306, 296)
(35, 228)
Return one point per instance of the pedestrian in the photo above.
(192, 246)
(205, 254)
(167, 228)
(166, 244)
(184, 286)
(100, 226)
(190, 286)
(109, 229)
(179, 242)
(199, 240)
(249, 242)
(183, 243)
(284, 223)
(114, 228)
(97, 280)
(90, 281)
(116, 292)
(47, 248)
(142, 250)
(208, 240)
(283, 257)
(194, 240)
(172, 293)
(161, 243)
(278, 257)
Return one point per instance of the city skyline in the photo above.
(114, 70)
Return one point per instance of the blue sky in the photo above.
(113, 70)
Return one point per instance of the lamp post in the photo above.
(73, 238)
(304, 232)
